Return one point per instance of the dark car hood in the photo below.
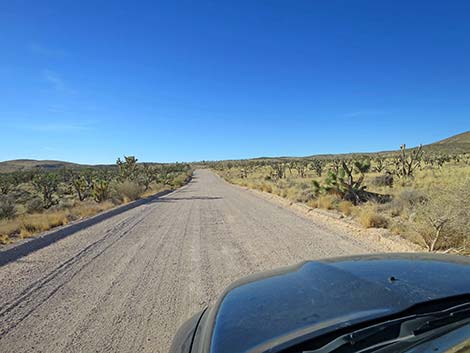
(320, 295)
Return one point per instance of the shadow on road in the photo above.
(168, 199)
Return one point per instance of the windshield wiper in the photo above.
(409, 328)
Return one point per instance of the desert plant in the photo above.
(81, 185)
(34, 205)
(383, 180)
(128, 169)
(301, 167)
(443, 219)
(345, 207)
(408, 161)
(100, 190)
(147, 175)
(6, 183)
(128, 190)
(346, 186)
(379, 164)
(318, 166)
(370, 218)
(7, 207)
(46, 184)
(278, 170)
(326, 202)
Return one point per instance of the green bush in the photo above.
(7, 207)
(34, 205)
(128, 190)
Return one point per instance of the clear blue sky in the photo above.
(88, 81)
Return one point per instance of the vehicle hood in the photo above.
(318, 296)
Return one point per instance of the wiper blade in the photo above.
(445, 317)
(397, 330)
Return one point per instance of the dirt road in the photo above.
(126, 283)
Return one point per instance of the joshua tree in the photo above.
(302, 167)
(47, 184)
(408, 161)
(128, 169)
(318, 166)
(379, 164)
(148, 174)
(100, 190)
(6, 184)
(82, 183)
(278, 170)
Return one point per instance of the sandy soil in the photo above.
(127, 283)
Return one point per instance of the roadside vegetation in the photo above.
(33, 201)
(422, 194)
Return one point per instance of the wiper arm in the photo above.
(445, 317)
(408, 327)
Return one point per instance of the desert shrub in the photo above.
(306, 196)
(128, 190)
(397, 227)
(179, 181)
(292, 193)
(345, 207)
(404, 203)
(442, 219)
(5, 239)
(266, 187)
(313, 203)
(370, 218)
(7, 207)
(327, 202)
(383, 180)
(34, 205)
(411, 197)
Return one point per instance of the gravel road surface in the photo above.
(126, 283)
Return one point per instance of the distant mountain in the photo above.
(31, 164)
(455, 144)
(452, 145)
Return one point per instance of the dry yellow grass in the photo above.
(345, 207)
(369, 218)
(326, 202)
(5, 239)
(28, 225)
(40, 222)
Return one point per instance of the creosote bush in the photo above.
(128, 190)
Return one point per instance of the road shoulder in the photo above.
(334, 221)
